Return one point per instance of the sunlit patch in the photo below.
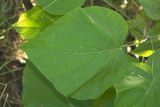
(137, 42)
(133, 80)
(33, 2)
(146, 53)
(129, 49)
(124, 4)
(21, 56)
(2, 37)
(140, 8)
(137, 56)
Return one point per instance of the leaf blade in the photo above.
(75, 44)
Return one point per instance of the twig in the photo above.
(4, 105)
(5, 86)
(7, 62)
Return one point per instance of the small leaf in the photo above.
(155, 30)
(152, 8)
(148, 47)
(31, 23)
(138, 24)
(146, 53)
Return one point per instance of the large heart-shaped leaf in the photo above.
(81, 53)
(152, 8)
(39, 92)
(141, 88)
(59, 7)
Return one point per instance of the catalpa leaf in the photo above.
(59, 7)
(142, 87)
(39, 92)
(81, 53)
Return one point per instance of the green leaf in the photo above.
(148, 47)
(152, 8)
(154, 61)
(81, 53)
(154, 31)
(38, 91)
(59, 7)
(142, 87)
(138, 24)
(32, 22)
(106, 100)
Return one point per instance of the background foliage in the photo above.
(95, 53)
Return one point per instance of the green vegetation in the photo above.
(78, 54)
